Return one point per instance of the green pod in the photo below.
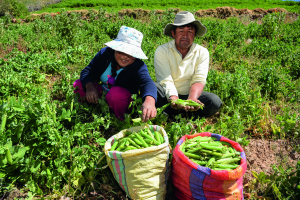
(149, 137)
(149, 142)
(71, 107)
(182, 147)
(127, 142)
(48, 109)
(227, 160)
(142, 140)
(190, 155)
(226, 166)
(129, 148)
(210, 161)
(122, 145)
(228, 155)
(57, 135)
(134, 144)
(8, 156)
(162, 140)
(137, 119)
(20, 131)
(150, 133)
(199, 162)
(194, 150)
(211, 147)
(157, 137)
(115, 144)
(211, 152)
(137, 141)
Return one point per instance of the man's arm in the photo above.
(195, 91)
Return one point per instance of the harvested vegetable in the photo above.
(187, 103)
(138, 140)
(206, 152)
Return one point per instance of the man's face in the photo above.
(184, 36)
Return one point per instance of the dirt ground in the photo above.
(139, 13)
(261, 154)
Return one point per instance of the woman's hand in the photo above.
(91, 93)
(148, 109)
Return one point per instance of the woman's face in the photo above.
(123, 59)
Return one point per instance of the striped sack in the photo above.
(141, 173)
(192, 181)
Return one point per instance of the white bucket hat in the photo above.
(128, 41)
(183, 18)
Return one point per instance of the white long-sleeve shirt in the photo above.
(177, 75)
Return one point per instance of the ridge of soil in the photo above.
(139, 13)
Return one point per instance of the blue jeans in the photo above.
(212, 104)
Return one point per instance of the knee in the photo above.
(78, 84)
(118, 93)
(216, 102)
(212, 105)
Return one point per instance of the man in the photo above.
(181, 68)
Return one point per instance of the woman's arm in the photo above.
(92, 72)
(148, 92)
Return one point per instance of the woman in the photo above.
(122, 73)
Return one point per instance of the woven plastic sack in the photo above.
(193, 182)
(141, 173)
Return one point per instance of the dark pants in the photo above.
(212, 104)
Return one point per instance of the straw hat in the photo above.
(183, 18)
(129, 41)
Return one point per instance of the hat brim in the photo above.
(129, 49)
(201, 29)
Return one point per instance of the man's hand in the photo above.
(91, 93)
(192, 108)
(173, 105)
(182, 107)
(148, 109)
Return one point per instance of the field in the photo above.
(55, 142)
(193, 5)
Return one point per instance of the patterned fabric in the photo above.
(195, 182)
(129, 41)
(106, 77)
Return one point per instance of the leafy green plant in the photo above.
(272, 25)
(282, 184)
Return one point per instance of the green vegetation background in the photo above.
(192, 5)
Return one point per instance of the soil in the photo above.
(139, 13)
(261, 154)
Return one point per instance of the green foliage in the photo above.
(13, 7)
(282, 184)
(164, 5)
(272, 25)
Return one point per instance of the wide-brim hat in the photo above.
(183, 18)
(129, 41)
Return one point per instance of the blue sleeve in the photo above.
(91, 72)
(146, 84)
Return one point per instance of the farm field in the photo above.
(193, 5)
(51, 145)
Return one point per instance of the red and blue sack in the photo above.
(192, 181)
